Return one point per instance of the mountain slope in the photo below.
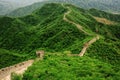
(8, 58)
(57, 67)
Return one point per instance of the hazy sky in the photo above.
(24, 2)
(20, 1)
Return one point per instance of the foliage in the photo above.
(112, 17)
(8, 58)
(101, 51)
(57, 67)
(16, 77)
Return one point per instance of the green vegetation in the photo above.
(112, 17)
(16, 76)
(106, 54)
(57, 67)
(8, 58)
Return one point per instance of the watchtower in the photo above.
(40, 54)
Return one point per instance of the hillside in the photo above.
(57, 67)
(111, 6)
(8, 58)
(64, 29)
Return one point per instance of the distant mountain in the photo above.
(7, 6)
(105, 5)
(23, 11)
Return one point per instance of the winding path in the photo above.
(67, 20)
(87, 44)
(5, 73)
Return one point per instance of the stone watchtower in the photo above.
(40, 54)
